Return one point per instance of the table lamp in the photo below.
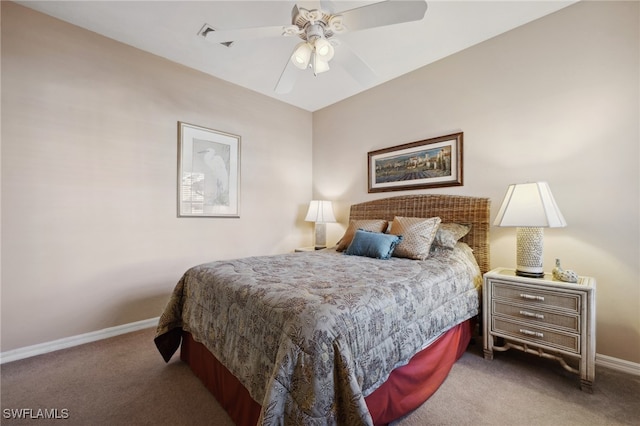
(530, 207)
(320, 212)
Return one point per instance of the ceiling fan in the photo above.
(318, 29)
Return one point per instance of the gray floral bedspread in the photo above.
(311, 334)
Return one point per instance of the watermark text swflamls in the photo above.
(35, 414)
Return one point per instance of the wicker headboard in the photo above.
(450, 208)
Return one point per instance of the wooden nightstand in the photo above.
(542, 316)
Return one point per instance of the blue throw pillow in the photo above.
(373, 244)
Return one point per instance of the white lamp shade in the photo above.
(320, 212)
(529, 205)
(301, 55)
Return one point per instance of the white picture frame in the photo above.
(208, 172)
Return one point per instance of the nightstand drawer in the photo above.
(523, 294)
(531, 315)
(539, 335)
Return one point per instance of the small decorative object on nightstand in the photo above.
(542, 316)
(564, 275)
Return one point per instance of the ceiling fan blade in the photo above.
(383, 13)
(327, 6)
(287, 78)
(227, 36)
(356, 67)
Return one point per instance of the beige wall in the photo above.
(555, 100)
(90, 237)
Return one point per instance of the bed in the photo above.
(336, 336)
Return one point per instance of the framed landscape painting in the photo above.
(208, 172)
(429, 163)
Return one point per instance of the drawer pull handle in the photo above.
(531, 297)
(531, 314)
(531, 333)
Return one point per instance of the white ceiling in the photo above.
(170, 29)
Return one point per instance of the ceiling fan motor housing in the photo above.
(316, 23)
(313, 32)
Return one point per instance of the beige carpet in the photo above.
(124, 381)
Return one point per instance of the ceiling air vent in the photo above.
(206, 29)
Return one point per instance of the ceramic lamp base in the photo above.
(529, 252)
(320, 239)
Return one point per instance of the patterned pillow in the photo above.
(418, 235)
(373, 244)
(373, 225)
(449, 233)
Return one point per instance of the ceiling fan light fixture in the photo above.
(324, 49)
(302, 55)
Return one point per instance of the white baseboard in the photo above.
(618, 364)
(67, 342)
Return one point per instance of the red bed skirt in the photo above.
(405, 390)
